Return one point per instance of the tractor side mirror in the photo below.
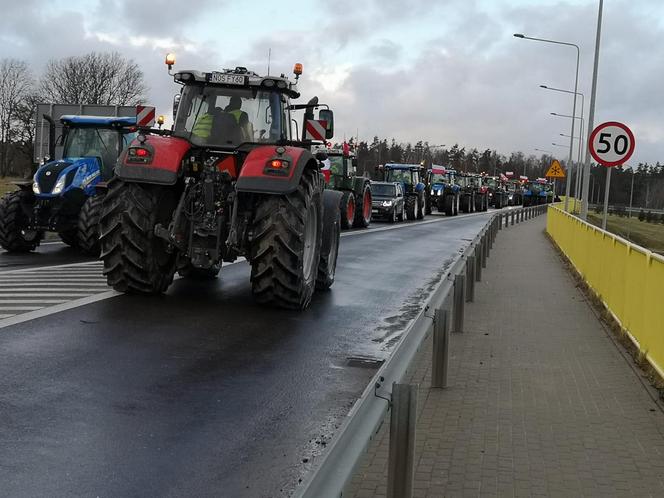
(176, 104)
(328, 116)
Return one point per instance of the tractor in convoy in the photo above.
(473, 195)
(536, 192)
(228, 180)
(443, 190)
(412, 178)
(340, 171)
(64, 195)
(514, 189)
(497, 190)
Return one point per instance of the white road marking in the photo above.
(87, 278)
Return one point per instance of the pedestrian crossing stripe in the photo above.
(555, 170)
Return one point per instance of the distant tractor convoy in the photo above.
(229, 179)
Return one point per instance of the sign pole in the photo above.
(606, 197)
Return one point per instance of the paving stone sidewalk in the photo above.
(541, 401)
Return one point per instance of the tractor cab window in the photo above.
(336, 165)
(402, 175)
(383, 190)
(228, 117)
(93, 142)
(438, 178)
(491, 182)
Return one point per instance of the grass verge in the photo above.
(648, 235)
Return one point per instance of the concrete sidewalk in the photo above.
(541, 401)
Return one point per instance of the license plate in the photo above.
(227, 79)
(374, 211)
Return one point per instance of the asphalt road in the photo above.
(47, 254)
(201, 392)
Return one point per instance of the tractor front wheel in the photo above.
(135, 259)
(285, 250)
(422, 207)
(14, 220)
(70, 237)
(412, 207)
(448, 205)
(347, 208)
(88, 226)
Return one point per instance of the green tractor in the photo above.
(340, 169)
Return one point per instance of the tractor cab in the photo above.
(339, 166)
(409, 175)
(238, 109)
(92, 145)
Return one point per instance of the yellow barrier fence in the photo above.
(628, 278)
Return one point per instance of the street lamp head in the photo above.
(554, 113)
(519, 35)
(543, 86)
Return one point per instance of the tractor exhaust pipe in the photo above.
(51, 136)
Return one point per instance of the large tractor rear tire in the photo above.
(363, 208)
(285, 250)
(412, 206)
(327, 264)
(422, 208)
(88, 226)
(135, 259)
(347, 208)
(14, 236)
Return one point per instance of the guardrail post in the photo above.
(441, 349)
(402, 441)
(485, 250)
(500, 221)
(513, 212)
(478, 262)
(470, 278)
(459, 303)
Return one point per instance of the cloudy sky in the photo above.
(446, 71)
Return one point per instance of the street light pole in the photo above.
(568, 182)
(579, 167)
(591, 116)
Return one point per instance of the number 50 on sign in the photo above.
(611, 144)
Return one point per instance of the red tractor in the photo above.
(228, 180)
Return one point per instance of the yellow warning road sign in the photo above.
(555, 170)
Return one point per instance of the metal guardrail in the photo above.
(339, 463)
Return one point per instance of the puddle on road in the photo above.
(390, 333)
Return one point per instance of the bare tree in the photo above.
(15, 85)
(94, 78)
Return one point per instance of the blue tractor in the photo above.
(444, 191)
(64, 195)
(412, 178)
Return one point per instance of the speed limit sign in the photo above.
(611, 144)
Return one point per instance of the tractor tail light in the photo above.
(139, 155)
(277, 167)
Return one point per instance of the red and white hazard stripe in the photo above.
(145, 115)
(315, 129)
